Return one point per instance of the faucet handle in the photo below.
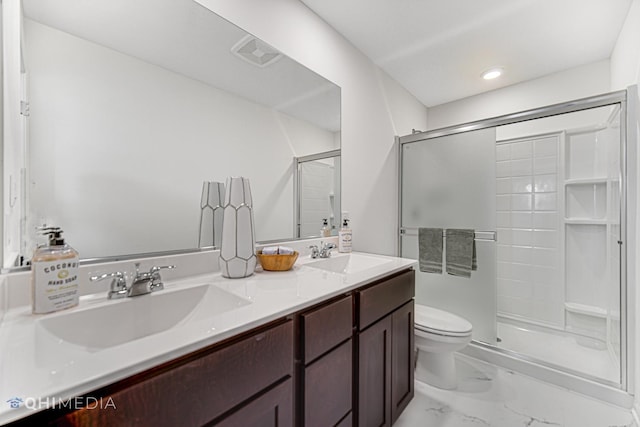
(325, 249)
(156, 268)
(118, 287)
(314, 251)
(156, 280)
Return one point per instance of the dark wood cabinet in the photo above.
(328, 387)
(274, 408)
(345, 362)
(201, 388)
(326, 364)
(402, 359)
(374, 374)
(385, 350)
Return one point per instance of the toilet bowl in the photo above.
(438, 334)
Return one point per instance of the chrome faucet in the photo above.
(325, 249)
(323, 252)
(118, 288)
(143, 282)
(147, 282)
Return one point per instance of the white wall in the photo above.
(575, 83)
(625, 71)
(13, 151)
(1, 137)
(625, 58)
(120, 147)
(374, 109)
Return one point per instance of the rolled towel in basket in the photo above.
(277, 250)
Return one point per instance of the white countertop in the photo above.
(37, 365)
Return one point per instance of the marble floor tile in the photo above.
(489, 396)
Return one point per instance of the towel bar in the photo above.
(479, 235)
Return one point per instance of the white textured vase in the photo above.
(237, 250)
(211, 208)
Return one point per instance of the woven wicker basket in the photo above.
(278, 262)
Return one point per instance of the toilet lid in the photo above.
(440, 321)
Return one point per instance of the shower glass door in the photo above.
(550, 182)
(558, 217)
(449, 182)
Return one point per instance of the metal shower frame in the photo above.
(627, 228)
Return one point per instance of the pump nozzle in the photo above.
(54, 234)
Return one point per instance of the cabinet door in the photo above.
(374, 375)
(272, 409)
(402, 359)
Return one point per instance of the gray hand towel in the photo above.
(461, 252)
(430, 250)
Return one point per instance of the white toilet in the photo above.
(438, 335)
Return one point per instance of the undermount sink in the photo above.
(348, 264)
(133, 318)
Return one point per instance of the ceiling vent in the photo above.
(256, 51)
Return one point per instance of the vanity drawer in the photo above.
(328, 387)
(326, 327)
(203, 387)
(381, 298)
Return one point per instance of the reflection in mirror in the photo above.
(211, 214)
(318, 195)
(133, 105)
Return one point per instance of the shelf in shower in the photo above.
(585, 309)
(587, 221)
(586, 200)
(582, 181)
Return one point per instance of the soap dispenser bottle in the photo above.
(344, 237)
(54, 274)
(325, 231)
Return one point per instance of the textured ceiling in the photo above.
(438, 49)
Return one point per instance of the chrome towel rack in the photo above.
(490, 236)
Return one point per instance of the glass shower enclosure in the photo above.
(544, 191)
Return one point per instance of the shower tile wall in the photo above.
(529, 235)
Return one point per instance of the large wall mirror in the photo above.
(132, 105)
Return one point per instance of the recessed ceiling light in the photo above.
(492, 73)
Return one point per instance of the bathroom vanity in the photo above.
(328, 343)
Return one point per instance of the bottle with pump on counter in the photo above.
(54, 274)
(344, 237)
(325, 231)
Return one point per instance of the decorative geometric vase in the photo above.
(211, 212)
(237, 251)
